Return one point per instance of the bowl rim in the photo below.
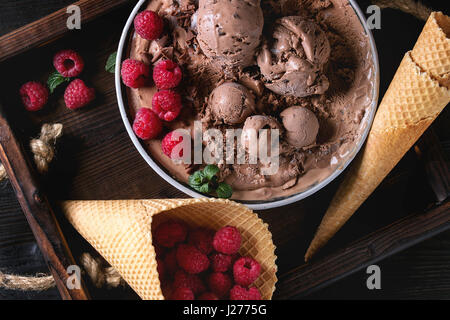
(251, 204)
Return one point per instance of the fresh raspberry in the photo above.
(34, 95)
(167, 74)
(191, 259)
(191, 281)
(167, 104)
(78, 95)
(147, 125)
(170, 262)
(135, 74)
(68, 63)
(208, 296)
(202, 239)
(149, 25)
(245, 271)
(159, 251)
(170, 233)
(240, 293)
(182, 294)
(220, 284)
(220, 262)
(227, 240)
(169, 142)
(160, 268)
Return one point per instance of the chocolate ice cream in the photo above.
(312, 77)
(256, 123)
(230, 31)
(301, 126)
(231, 103)
(292, 62)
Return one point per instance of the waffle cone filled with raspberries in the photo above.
(176, 249)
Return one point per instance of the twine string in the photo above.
(40, 282)
(96, 268)
(43, 148)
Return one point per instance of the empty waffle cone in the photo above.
(432, 47)
(121, 232)
(416, 96)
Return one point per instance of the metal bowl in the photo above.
(256, 205)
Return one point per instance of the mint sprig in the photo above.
(205, 181)
(55, 79)
(224, 191)
(111, 63)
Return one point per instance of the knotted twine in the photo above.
(43, 149)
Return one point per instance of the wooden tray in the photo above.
(96, 160)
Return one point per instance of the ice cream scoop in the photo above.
(229, 31)
(301, 126)
(251, 128)
(292, 62)
(231, 103)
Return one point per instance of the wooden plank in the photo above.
(38, 212)
(51, 27)
(379, 245)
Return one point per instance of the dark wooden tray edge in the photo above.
(369, 250)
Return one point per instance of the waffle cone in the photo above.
(121, 232)
(415, 97)
(432, 48)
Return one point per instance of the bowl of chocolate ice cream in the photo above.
(306, 70)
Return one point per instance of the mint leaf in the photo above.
(204, 188)
(224, 190)
(197, 179)
(111, 63)
(55, 80)
(210, 171)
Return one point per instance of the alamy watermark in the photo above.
(238, 146)
(374, 280)
(74, 19)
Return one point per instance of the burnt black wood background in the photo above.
(421, 272)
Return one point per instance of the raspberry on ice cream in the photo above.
(240, 293)
(227, 240)
(220, 262)
(169, 233)
(191, 281)
(245, 271)
(146, 124)
(34, 95)
(149, 25)
(169, 142)
(220, 284)
(182, 294)
(167, 74)
(202, 239)
(191, 259)
(167, 104)
(68, 63)
(78, 95)
(135, 74)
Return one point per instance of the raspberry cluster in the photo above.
(166, 103)
(68, 64)
(202, 264)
